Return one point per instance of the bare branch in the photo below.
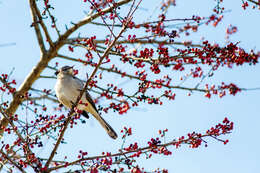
(45, 30)
(254, 2)
(36, 26)
(47, 77)
(43, 97)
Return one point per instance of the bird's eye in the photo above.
(66, 68)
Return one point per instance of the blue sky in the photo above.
(185, 114)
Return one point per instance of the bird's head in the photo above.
(65, 70)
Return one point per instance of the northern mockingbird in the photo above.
(68, 88)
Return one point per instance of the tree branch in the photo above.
(43, 97)
(153, 82)
(45, 30)
(254, 2)
(36, 26)
(138, 41)
(143, 150)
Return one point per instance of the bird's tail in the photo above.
(110, 131)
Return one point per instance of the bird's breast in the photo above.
(67, 89)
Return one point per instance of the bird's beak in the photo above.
(57, 72)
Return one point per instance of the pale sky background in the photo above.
(185, 114)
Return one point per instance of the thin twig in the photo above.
(42, 97)
(53, 21)
(103, 19)
(12, 162)
(256, 3)
(36, 26)
(138, 41)
(148, 23)
(44, 28)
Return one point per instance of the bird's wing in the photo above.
(88, 97)
(93, 110)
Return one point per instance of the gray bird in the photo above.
(68, 88)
